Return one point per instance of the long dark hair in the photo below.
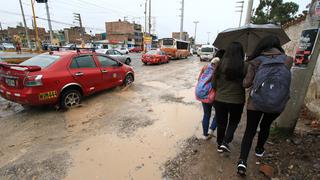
(266, 44)
(220, 53)
(232, 63)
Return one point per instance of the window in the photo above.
(43, 60)
(117, 53)
(83, 62)
(152, 52)
(167, 42)
(107, 62)
(110, 52)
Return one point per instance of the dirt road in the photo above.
(116, 134)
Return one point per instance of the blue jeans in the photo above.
(207, 108)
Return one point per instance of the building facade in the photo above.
(128, 33)
(185, 36)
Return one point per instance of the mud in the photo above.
(116, 134)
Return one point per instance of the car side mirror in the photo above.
(120, 64)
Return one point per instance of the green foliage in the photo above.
(275, 11)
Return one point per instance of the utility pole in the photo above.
(145, 16)
(150, 17)
(301, 78)
(35, 26)
(25, 25)
(77, 17)
(182, 16)
(208, 42)
(249, 12)
(240, 6)
(195, 31)
(49, 22)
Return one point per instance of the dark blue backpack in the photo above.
(271, 85)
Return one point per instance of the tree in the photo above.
(275, 11)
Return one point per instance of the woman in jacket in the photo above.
(269, 47)
(230, 95)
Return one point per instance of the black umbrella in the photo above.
(249, 36)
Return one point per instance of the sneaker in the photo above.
(225, 147)
(206, 137)
(219, 149)
(242, 167)
(211, 132)
(259, 152)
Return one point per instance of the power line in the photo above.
(53, 21)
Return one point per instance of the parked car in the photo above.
(155, 57)
(47, 46)
(7, 46)
(61, 77)
(135, 50)
(207, 52)
(71, 46)
(123, 50)
(115, 54)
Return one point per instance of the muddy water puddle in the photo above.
(140, 156)
(156, 84)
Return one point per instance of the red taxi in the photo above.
(155, 57)
(61, 78)
(135, 50)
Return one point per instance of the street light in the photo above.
(195, 31)
(208, 42)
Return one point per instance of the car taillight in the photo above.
(31, 81)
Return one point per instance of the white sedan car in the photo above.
(123, 50)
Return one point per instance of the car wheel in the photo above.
(128, 61)
(145, 63)
(70, 98)
(128, 80)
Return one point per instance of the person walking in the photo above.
(269, 78)
(203, 88)
(230, 95)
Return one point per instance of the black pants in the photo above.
(253, 120)
(228, 117)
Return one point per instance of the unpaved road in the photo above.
(116, 134)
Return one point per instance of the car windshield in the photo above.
(167, 42)
(43, 60)
(152, 52)
(206, 49)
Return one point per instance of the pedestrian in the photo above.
(269, 78)
(18, 48)
(204, 86)
(230, 95)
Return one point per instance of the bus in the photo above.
(175, 49)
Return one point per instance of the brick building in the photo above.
(128, 33)
(185, 35)
(73, 35)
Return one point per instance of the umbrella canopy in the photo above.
(249, 36)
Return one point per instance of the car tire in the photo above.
(128, 80)
(145, 63)
(70, 98)
(128, 61)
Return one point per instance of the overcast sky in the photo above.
(213, 15)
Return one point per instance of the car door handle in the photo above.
(104, 71)
(79, 74)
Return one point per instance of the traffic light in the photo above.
(42, 1)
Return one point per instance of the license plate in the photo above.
(10, 82)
